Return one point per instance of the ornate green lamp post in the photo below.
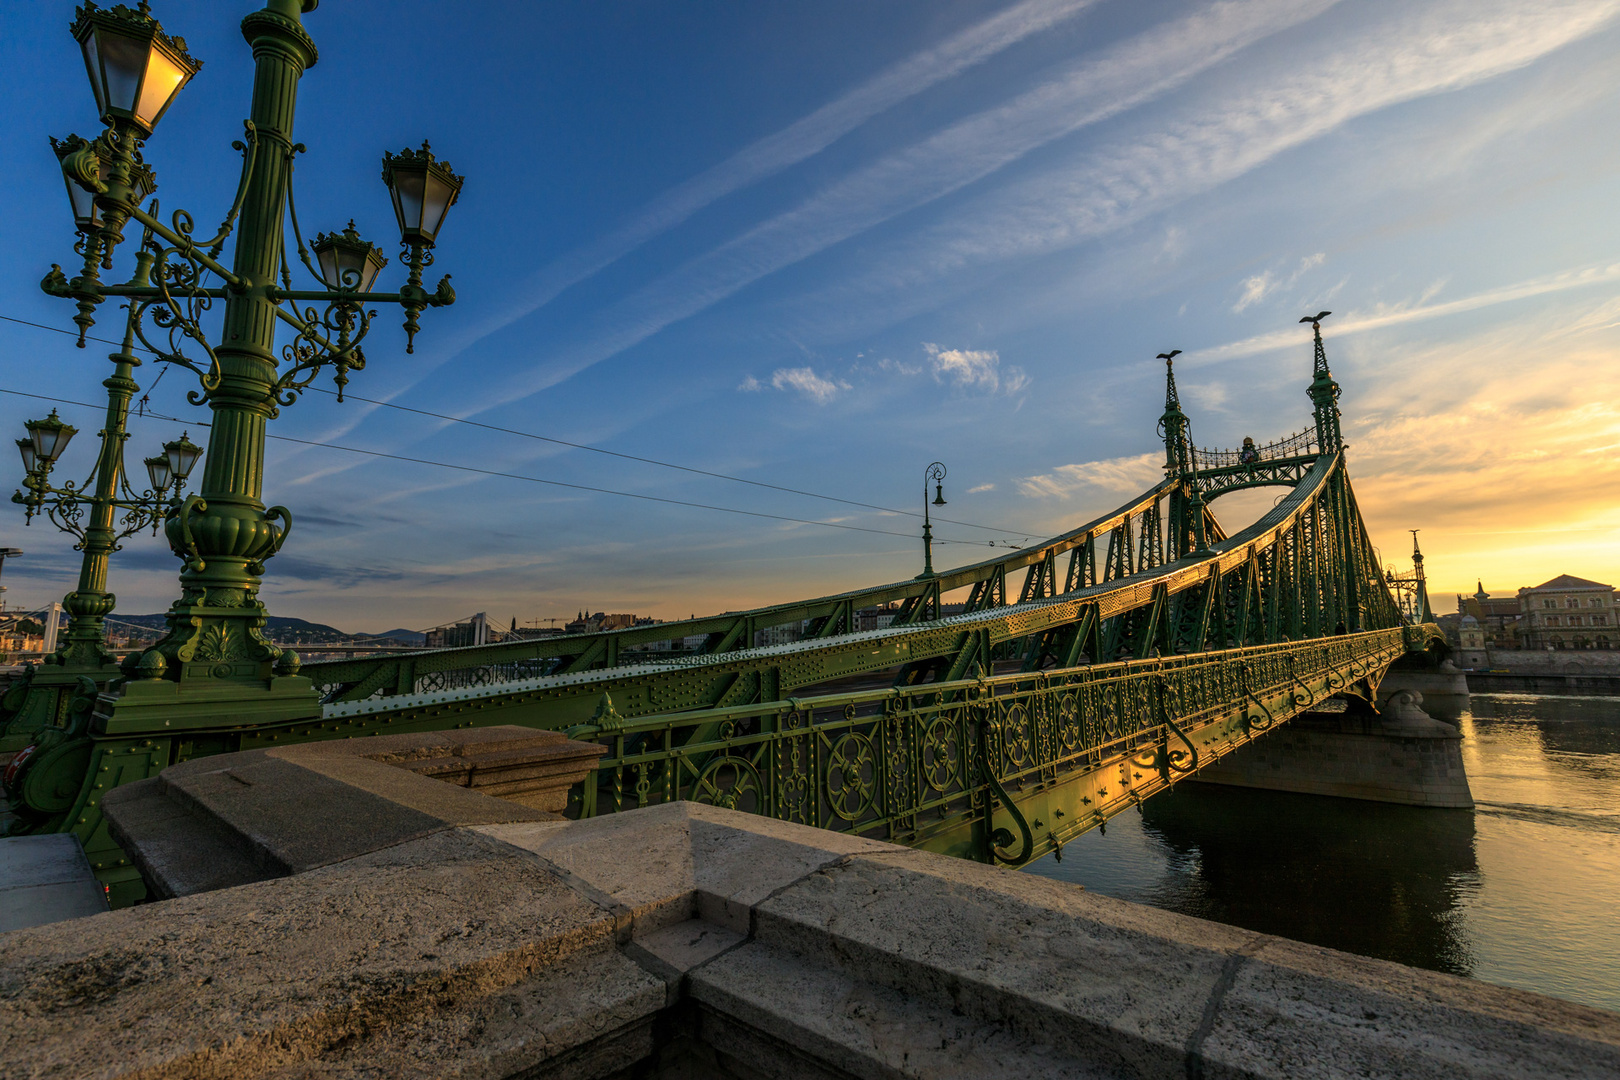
(88, 510)
(214, 671)
(934, 474)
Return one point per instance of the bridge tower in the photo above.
(1324, 392)
(1186, 515)
(1424, 614)
(1173, 424)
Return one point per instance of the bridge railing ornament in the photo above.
(1300, 444)
(905, 764)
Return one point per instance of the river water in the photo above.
(1524, 890)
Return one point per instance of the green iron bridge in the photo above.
(1080, 676)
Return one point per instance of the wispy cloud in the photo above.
(781, 150)
(1257, 288)
(800, 380)
(1221, 136)
(1382, 315)
(1552, 445)
(975, 369)
(981, 489)
(1115, 80)
(1121, 474)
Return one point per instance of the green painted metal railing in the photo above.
(921, 765)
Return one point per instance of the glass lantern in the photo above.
(424, 190)
(135, 69)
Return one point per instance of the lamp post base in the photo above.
(167, 707)
(40, 701)
(138, 729)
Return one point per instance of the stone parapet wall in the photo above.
(687, 941)
(1552, 661)
(1484, 682)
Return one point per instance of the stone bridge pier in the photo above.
(1405, 751)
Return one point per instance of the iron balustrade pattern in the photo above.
(1300, 444)
(907, 763)
(490, 674)
(498, 673)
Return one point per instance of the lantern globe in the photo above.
(159, 472)
(424, 189)
(135, 69)
(182, 454)
(30, 456)
(347, 262)
(86, 214)
(51, 436)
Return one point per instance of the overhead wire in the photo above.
(1023, 534)
(530, 479)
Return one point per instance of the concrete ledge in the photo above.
(45, 879)
(179, 852)
(684, 940)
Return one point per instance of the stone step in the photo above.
(230, 819)
(505, 765)
(180, 851)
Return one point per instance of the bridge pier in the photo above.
(1396, 754)
(1444, 689)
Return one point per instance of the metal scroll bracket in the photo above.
(194, 504)
(998, 838)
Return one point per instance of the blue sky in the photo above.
(820, 245)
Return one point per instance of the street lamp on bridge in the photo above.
(90, 511)
(66, 505)
(225, 533)
(934, 474)
(213, 647)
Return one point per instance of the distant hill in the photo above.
(410, 637)
(285, 630)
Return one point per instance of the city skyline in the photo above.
(821, 246)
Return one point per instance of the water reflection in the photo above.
(1384, 881)
(1520, 891)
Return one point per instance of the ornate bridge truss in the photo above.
(1077, 677)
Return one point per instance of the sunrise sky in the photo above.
(820, 244)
